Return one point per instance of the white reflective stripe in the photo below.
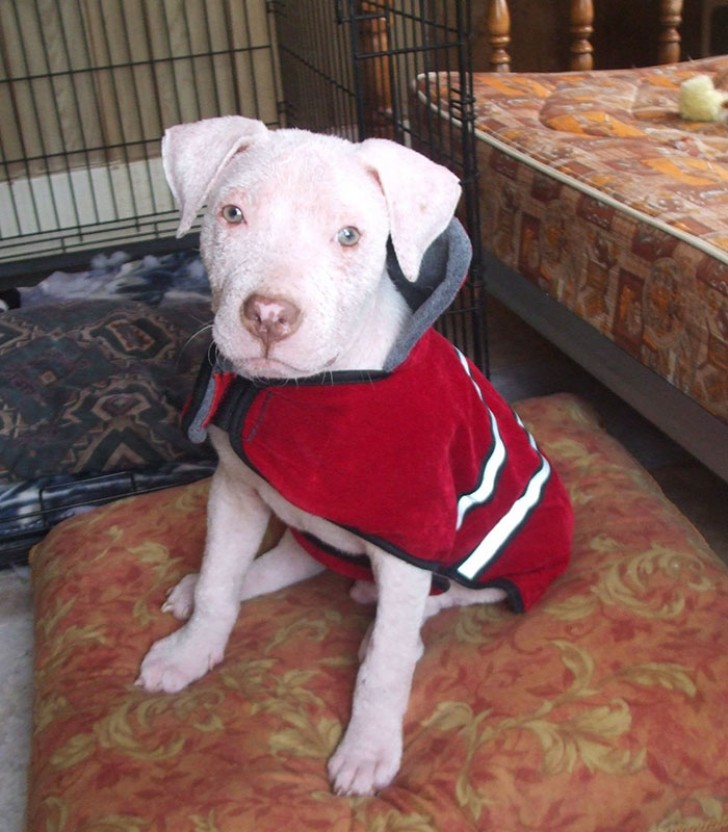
(496, 538)
(531, 440)
(484, 489)
(486, 486)
(464, 361)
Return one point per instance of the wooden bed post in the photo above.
(499, 35)
(581, 28)
(375, 72)
(669, 42)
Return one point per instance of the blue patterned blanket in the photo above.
(95, 367)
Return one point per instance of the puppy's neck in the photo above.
(380, 328)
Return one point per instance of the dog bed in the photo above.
(604, 708)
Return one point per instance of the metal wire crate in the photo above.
(88, 86)
(86, 90)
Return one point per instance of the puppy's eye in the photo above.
(232, 214)
(348, 236)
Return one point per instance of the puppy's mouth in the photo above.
(276, 360)
(268, 367)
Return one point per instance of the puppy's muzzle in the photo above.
(270, 319)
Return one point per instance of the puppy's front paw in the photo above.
(175, 661)
(364, 764)
(181, 599)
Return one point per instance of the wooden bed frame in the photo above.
(581, 27)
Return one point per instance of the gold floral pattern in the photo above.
(605, 708)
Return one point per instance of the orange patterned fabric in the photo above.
(593, 188)
(604, 708)
(619, 131)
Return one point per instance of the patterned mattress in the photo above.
(595, 190)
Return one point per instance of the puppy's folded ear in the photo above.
(421, 198)
(194, 154)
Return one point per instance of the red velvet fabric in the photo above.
(389, 455)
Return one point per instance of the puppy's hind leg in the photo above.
(460, 596)
(285, 564)
(181, 598)
(365, 592)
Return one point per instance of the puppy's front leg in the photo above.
(236, 521)
(370, 752)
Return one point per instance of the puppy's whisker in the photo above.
(210, 358)
(202, 330)
(188, 343)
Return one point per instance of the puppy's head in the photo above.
(294, 239)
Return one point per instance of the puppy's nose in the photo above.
(270, 318)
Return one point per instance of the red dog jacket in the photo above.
(425, 460)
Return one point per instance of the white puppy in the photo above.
(332, 403)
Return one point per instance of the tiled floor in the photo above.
(522, 365)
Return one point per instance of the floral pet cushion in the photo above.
(604, 708)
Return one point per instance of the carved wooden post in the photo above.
(581, 28)
(669, 40)
(499, 35)
(375, 73)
